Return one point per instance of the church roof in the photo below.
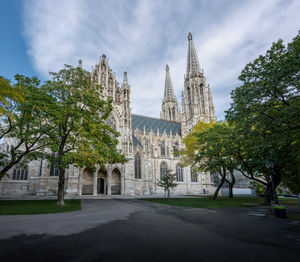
(140, 122)
(136, 142)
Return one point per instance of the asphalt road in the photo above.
(135, 230)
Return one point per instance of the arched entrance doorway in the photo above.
(102, 182)
(100, 186)
(116, 182)
(87, 182)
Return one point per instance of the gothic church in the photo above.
(148, 143)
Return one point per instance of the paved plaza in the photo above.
(137, 230)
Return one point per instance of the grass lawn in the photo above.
(220, 202)
(22, 207)
(288, 201)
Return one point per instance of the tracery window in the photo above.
(117, 96)
(202, 98)
(173, 114)
(175, 149)
(110, 87)
(194, 177)
(20, 174)
(54, 170)
(179, 174)
(137, 166)
(163, 169)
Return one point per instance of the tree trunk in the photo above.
(11, 164)
(268, 194)
(220, 185)
(230, 193)
(61, 188)
(5, 170)
(231, 184)
(168, 194)
(268, 190)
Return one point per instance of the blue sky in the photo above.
(141, 37)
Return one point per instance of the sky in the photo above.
(141, 37)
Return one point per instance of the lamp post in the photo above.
(270, 166)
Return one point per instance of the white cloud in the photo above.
(141, 37)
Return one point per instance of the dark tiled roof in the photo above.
(135, 141)
(139, 122)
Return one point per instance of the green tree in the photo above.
(168, 182)
(209, 148)
(8, 93)
(265, 111)
(78, 114)
(24, 120)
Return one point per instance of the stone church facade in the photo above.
(148, 143)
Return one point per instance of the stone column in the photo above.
(80, 180)
(109, 182)
(122, 182)
(123, 171)
(188, 179)
(95, 183)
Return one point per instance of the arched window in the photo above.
(179, 175)
(173, 114)
(20, 174)
(137, 166)
(202, 98)
(54, 170)
(175, 149)
(163, 169)
(117, 96)
(110, 87)
(194, 176)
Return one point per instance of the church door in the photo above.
(100, 186)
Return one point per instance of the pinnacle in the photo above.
(193, 66)
(125, 81)
(169, 92)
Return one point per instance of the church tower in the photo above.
(126, 115)
(169, 107)
(196, 99)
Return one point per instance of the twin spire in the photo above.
(169, 107)
(169, 91)
(197, 101)
(192, 65)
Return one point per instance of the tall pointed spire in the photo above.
(169, 107)
(193, 65)
(125, 81)
(169, 92)
(197, 102)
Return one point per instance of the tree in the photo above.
(78, 114)
(265, 111)
(24, 120)
(8, 93)
(209, 148)
(167, 182)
